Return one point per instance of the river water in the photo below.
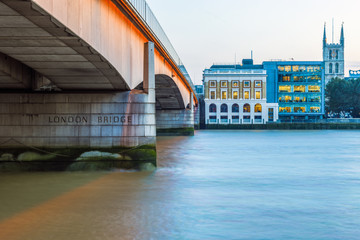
(216, 185)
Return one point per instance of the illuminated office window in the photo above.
(313, 88)
(224, 95)
(315, 109)
(310, 69)
(246, 108)
(285, 109)
(258, 84)
(235, 84)
(299, 88)
(258, 95)
(235, 95)
(223, 83)
(299, 109)
(212, 95)
(285, 88)
(287, 68)
(246, 84)
(212, 83)
(286, 78)
(258, 108)
(247, 95)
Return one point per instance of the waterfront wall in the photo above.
(59, 127)
(175, 122)
(287, 126)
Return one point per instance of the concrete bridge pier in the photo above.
(176, 122)
(80, 130)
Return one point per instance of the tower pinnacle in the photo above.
(342, 38)
(324, 39)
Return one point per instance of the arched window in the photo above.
(212, 108)
(337, 54)
(258, 108)
(330, 54)
(246, 108)
(330, 68)
(336, 68)
(235, 108)
(224, 108)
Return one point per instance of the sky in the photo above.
(204, 32)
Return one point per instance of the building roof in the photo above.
(293, 62)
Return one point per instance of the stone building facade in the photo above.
(236, 94)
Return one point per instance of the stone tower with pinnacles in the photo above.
(333, 57)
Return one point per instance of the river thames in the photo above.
(216, 185)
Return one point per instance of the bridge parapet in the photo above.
(146, 14)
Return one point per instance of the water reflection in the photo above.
(216, 185)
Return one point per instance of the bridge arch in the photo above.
(167, 93)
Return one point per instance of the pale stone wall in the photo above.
(77, 120)
(171, 119)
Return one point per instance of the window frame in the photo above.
(245, 82)
(225, 83)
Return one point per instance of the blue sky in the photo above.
(204, 32)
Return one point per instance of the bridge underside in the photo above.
(172, 117)
(97, 117)
(34, 38)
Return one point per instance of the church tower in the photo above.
(333, 57)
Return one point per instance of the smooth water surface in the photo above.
(216, 185)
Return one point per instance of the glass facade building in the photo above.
(299, 88)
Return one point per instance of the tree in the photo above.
(343, 95)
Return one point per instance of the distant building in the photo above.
(298, 88)
(199, 89)
(353, 74)
(236, 94)
(333, 57)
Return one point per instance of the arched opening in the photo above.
(330, 54)
(224, 108)
(246, 108)
(336, 68)
(330, 68)
(337, 54)
(212, 108)
(258, 108)
(235, 108)
(167, 93)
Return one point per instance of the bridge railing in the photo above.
(149, 18)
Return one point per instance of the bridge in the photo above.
(87, 81)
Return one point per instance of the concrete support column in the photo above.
(149, 67)
(192, 101)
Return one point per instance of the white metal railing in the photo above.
(234, 71)
(144, 11)
(235, 121)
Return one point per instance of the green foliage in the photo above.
(343, 95)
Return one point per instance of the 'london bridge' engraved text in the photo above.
(110, 119)
(68, 119)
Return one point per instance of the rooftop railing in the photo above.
(144, 11)
(233, 71)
